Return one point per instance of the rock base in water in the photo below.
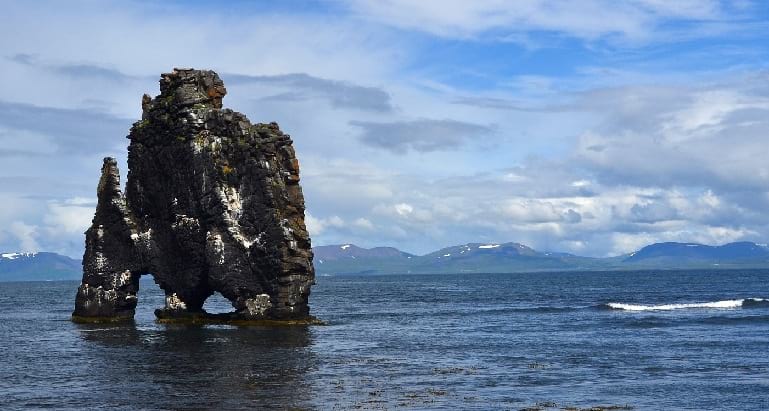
(185, 317)
(101, 320)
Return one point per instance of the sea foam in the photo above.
(724, 304)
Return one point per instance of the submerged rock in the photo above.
(212, 203)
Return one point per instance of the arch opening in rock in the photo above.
(217, 304)
(150, 296)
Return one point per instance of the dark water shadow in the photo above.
(200, 367)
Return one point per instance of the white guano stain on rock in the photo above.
(174, 303)
(258, 306)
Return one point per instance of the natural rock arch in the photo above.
(212, 203)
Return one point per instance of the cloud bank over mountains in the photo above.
(594, 129)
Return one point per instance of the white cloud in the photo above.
(530, 211)
(586, 19)
(73, 216)
(316, 226)
(26, 235)
(710, 135)
(114, 37)
(363, 223)
(403, 209)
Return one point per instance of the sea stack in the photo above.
(212, 204)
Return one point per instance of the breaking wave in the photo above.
(724, 304)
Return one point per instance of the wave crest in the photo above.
(724, 304)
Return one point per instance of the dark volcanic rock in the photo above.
(212, 203)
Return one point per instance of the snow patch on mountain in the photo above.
(13, 256)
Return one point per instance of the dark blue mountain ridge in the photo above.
(516, 257)
(465, 258)
(691, 251)
(473, 249)
(39, 267)
(351, 251)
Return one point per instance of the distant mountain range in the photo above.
(466, 258)
(514, 257)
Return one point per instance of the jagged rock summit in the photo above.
(212, 203)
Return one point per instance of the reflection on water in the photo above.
(49, 362)
(183, 366)
(196, 366)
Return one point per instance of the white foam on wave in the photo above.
(725, 304)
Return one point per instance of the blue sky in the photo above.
(593, 126)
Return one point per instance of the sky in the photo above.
(593, 127)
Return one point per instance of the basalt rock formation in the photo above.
(212, 204)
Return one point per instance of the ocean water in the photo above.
(648, 340)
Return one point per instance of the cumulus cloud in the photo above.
(60, 229)
(316, 226)
(712, 135)
(339, 230)
(363, 224)
(72, 216)
(403, 209)
(653, 211)
(607, 221)
(26, 236)
(345, 187)
(571, 216)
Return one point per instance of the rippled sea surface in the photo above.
(681, 340)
